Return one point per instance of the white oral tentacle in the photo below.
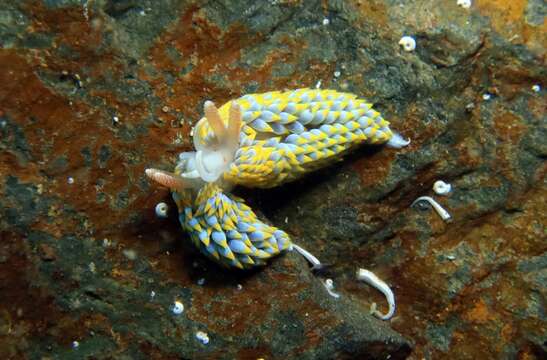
(370, 278)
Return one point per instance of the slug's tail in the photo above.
(397, 141)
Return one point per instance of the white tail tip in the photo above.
(397, 141)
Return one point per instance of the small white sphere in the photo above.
(441, 188)
(75, 344)
(201, 281)
(178, 308)
(486, 96)
(326, 21)
(536, 88)
(408, 43)
(70, 180)
(203, 337)
(466, 4)
(162, 209)
(337, 73)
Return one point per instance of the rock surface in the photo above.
(95, 91)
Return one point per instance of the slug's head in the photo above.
(184, 178)
(215, 150)
(216, 145)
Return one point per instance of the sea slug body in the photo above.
(221, 225)
(285, 135)
(226, 230)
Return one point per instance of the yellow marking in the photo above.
(352, 137)
(248, 260)
(205, 241)
(261, 254)
(301, 107)
(353, 124)
(229, 255)
(197, 227)
(215, 254)
(320, 155)
(315, 107)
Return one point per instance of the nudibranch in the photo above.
(284, 135)
(219, 224)
(262, 140)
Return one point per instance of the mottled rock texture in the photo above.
(92, 92)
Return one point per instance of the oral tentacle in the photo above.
(167, 179)
(234, 126)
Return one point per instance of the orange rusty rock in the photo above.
(262, 351)
(479, 314)
(47, 253)
(507, 17)
(374, 169)
(509, 127)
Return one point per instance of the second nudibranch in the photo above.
(219, 224)
(226, 230)
(264, 140)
